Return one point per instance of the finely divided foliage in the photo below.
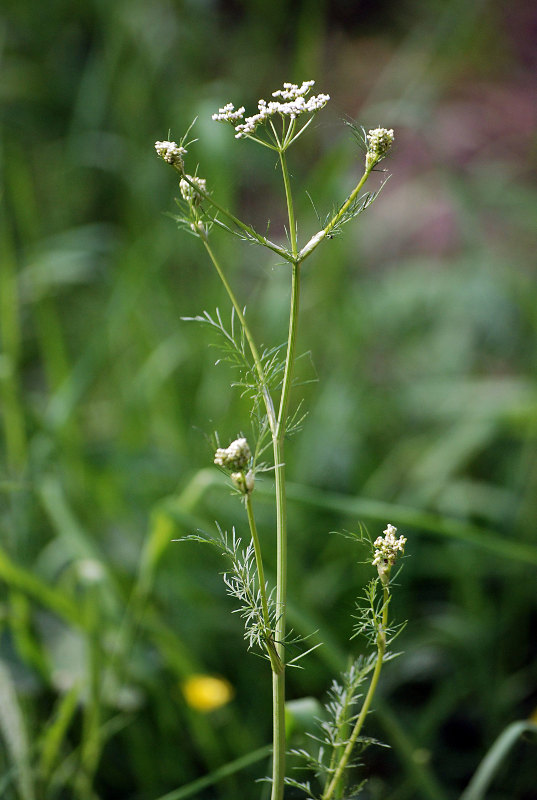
(242, 583)
(265, 377)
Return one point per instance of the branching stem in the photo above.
(248, 230)
(308, 249)
(271, 414)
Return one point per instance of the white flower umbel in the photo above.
(379, 141)
(293, 104)
(171, 152)
(235, 457)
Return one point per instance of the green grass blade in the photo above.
(436, 524)
(15, 735)
(363, 507)
(491, 763)
(25, 581)
(209, 780)
(55, 732)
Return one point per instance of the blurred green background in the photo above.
(418, 330)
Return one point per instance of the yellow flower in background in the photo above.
(207, 692)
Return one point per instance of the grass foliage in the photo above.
(419, 383)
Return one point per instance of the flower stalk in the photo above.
(336, 781)
(386, 552)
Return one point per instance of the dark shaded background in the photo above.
(418, 326)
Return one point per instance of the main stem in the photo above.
(278, 437)
(278, 428)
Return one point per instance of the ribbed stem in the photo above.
(278, 681)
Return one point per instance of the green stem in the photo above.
(278, 680)
(291, 347)
(279, 742)
(277, 658)
(251, 232)
(315, 240)
(276, 664)
(381, 650)
(253, 349)
(289, 199)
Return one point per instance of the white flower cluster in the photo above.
(228, 113)
(291, 91)
(188, 192)
(379, 141)
(234, 457)
(388, 547)
(171, 152)
(293, 106)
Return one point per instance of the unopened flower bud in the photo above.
(244, 482)
(199, 229)
(250, 481)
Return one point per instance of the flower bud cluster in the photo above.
(379, 141)
(386, 552)
(188, 192)
(171, 152)
(234, 457)
(244, 482)
(294, 104)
